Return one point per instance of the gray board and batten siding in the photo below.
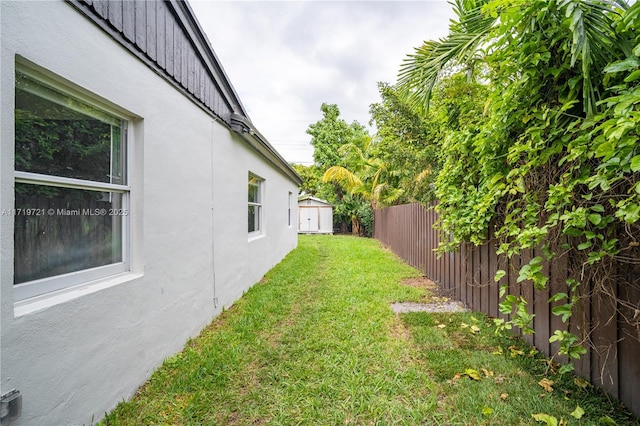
(153, 31)
(167, 37)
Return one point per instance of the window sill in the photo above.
(45, 301)
(256, 236)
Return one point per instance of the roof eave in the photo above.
(241, 125)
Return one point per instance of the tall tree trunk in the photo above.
(355, 225)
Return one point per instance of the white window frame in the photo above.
(258, 205)
(289, 218)
(44, 286)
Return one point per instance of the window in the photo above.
(255, 204)
(289, 211)
(71, 189)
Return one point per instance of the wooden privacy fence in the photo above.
(54, 236)
(612, 361)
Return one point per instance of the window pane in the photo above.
(254, 192)
(118, 156)
(254, 218)
(62, 230)
(60, 136)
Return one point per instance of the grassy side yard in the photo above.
(316, 343)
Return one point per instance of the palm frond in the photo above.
(422, 175)
(377, 191)
(391, 196)
(420, 70)
(595, 42)
(343, 176)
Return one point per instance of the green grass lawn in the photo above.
(316, 343)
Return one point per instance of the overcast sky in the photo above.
(286, 58)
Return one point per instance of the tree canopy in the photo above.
(330, 133)
(334, 140)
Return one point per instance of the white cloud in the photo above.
(286, 58)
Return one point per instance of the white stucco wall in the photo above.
(77, 355)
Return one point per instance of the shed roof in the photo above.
(168, 38)
(318, 200)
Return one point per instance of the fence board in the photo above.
(578, 325)
(526, 289)
(514, 285)
(503, 264)
(458, 274)
(604, 365)
(483, 282)
(469, 283)
(464, 283)
(542, 321)
(492, 286)
(629, 343)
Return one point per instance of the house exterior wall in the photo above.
(76, 354)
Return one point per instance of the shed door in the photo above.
(309, 219)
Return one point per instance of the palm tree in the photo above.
(366, 180)
(591, 26)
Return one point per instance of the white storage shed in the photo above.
(315, 216)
